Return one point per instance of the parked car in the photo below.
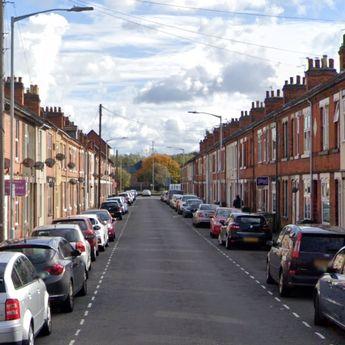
(106, 218)
(329, 294)
(24, 301)
(100, 229)
(173, 201)
(164, 196)
(203, 213)
(113, 208)
(128, 197)
(182, 200)
(146, 192)
(70, 232)
(173, 192)
(224, 225)
(216, 221)
(301, 254)
(247, 228)
(121, 201)
(189, 207)
(58, 263)
(86, 228)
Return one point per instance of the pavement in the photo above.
(165, 282)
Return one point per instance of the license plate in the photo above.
(321, 264)
(251, 240)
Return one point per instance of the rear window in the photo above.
(79, 222)
(36, 255)
(250, 220)
(93, 221)
(321, 244)
(70, 235)
(205, 207)
(223, 213)
(103, 215)
(2, 280)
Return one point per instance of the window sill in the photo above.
(284, 159)
(335, 150)
(323, 153)
(306, 155)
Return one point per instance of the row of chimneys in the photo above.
(319, 71)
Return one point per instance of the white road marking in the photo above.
(92, 298)
(257, 281)
(96, 292)
(89, 305)
(320, 335)
(252, 277)
(295, 315)
(269, 292)
(263, 286)
(277, 299)
(286, 306)
(82, 322)
(86, 313)
(97, 287)
(77, 332)
(71, 342)
(306, 324)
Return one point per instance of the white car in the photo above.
(122, 202)
(24, 301)
(146, 192)
(100, 229)
(73, 234)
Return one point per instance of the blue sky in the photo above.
(153, 73)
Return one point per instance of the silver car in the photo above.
(100, 229)
(204, 213)
(24, 306)
(73, 234)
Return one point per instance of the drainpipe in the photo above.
(311, 159)
(238, 170)
(277, 222)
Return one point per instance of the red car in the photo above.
(222, 214)
(87, 229)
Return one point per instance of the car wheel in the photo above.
(47, 326)
(31, 339)
(68, 304)
(83, 290)
(269, 279)
(120, 217)
(94, 254)
(284, 290)
(220, 241)
(228, 245)
(211, 234)
(319, 318)
(101, 248)
(107, 243)
(97, 252)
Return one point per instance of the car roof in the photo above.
(6, 257)
(58, 226)
(77, 217)
(48, 241)
(318, 228)
(241, 214)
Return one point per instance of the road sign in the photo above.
(262, 181)
(18, 185)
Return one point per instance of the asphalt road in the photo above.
(165, 282)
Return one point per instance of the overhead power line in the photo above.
(108, 12)
(252, 14)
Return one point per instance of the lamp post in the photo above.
(220, 147)
(13, 21)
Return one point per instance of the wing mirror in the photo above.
(96, 227)
(76, 253)
(222, 221)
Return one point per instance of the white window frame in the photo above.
(307, 199)
(285, 124)
(325, 200)
(325, 127)
(259, 134)
(273, 142)
(307, 130)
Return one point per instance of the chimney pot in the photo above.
(19, 79)
(59, 109)
(310, 63)
(278, 93)
(267, 94)
(286, 82)
(262, 104)
(331, 63)
(242, 112)
(51, 109)
(291, 80)
(253, 105)
(298, 80)
(272, 93)
(303, 80)
(246, 113)
(324, 61)
(317, 63)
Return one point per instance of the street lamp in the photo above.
(220, 146)
(13, 21)
(180, 149)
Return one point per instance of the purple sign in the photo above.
(19, 187)
(262, 181)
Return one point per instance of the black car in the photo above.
(114, 209)
(247, 228)
(59, 265)
(301, 254)
(190, 207)
(329, 294)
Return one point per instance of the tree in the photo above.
(183, 158)
(124, 177)
(166, 170)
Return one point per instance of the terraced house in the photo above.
(287, 154)
(55, 164)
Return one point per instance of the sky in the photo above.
(149, 64)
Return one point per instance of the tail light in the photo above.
(234, 227)
(12, 309)
(266, 228)
(55, 270)
(89, 234)
(80, 246)
(296, 250)
(200, 214)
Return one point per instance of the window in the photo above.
(273, 142)
(285, 198)
(264, 147)
(17, 138)
(285, 140)
(49, 146)
(273, 197)
(65, 249)
(39, 144)
(16, 280)
(307, 199)
(336, 125)
(267, 148)
(297, 131)
(325, 206)
(324, 128)
(26, 141)
(307, 131)
(292, 136)
(259, 146)
(50, 200)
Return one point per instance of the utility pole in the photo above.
(2, 107)
(99, 155)
(153, 165)
(117, 171)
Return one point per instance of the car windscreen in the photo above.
(194, 205)
(205, 207)
(193, 201)
(71, 235)
(223, 213)
(252, 220)
(80, 222)
(315, 243)
(37, 255)
(2, 280)
(104, 216)
(110, 206)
